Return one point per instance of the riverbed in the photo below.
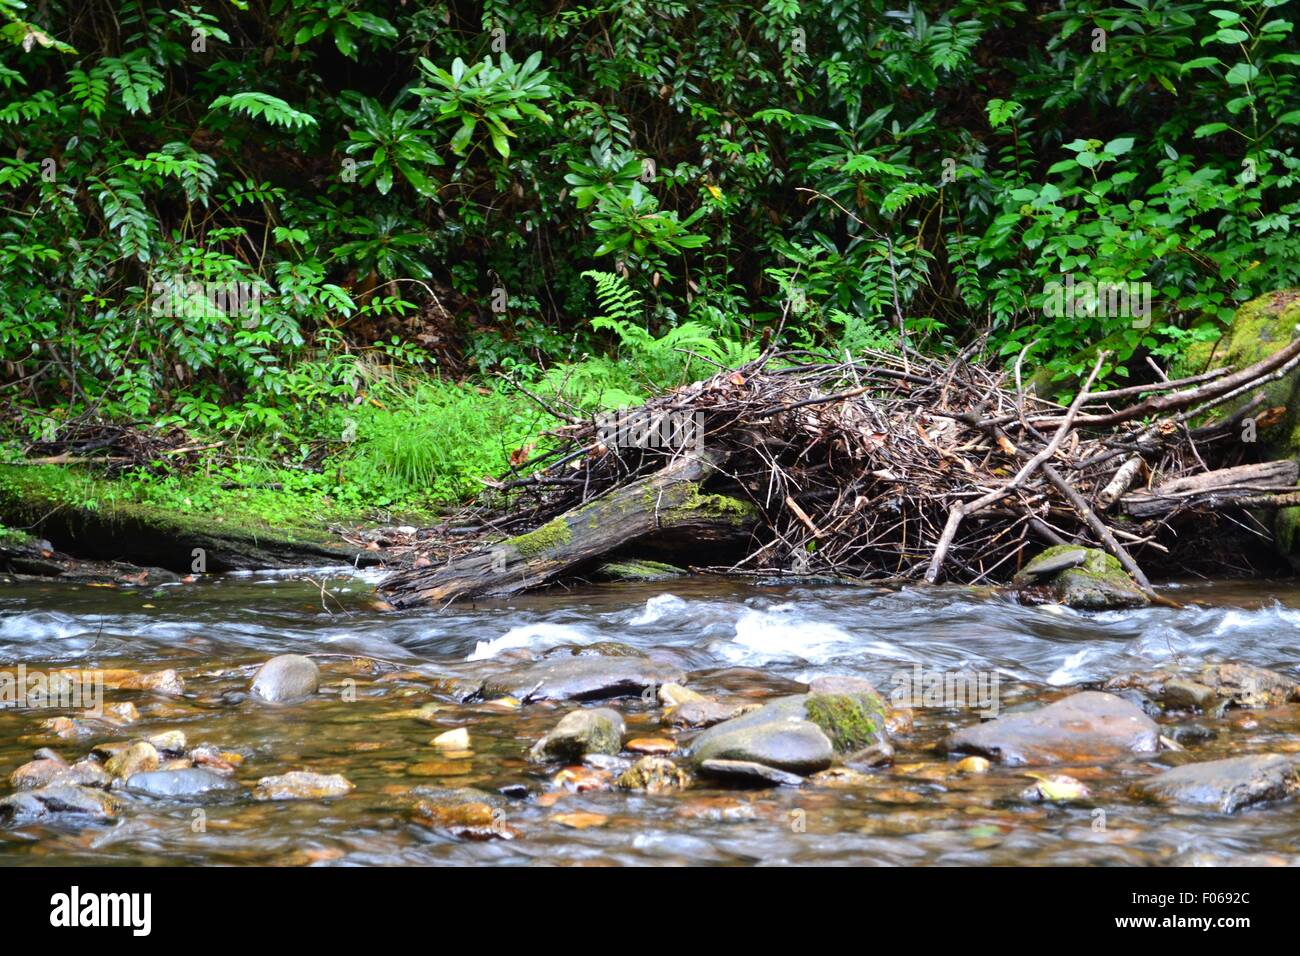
(380, 705)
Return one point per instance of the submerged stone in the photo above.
(1086, 727)
(59, 800)
(286, 677)
(138, 757)
(579, 732)
(185, 782)
(302, 785)
(654, 775)
(1225, 785)
(577, 678)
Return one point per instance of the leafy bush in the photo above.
(444, 174)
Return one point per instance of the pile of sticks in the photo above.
(889, 466)
(114, 447)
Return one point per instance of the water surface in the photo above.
(735, 640)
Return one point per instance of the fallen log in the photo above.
(153, 537)
(667, 502)
(1221, 488)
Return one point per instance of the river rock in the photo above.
(1051, 561)
(302, 785)
(844, 777)
(1241, 685)
(59, 800)
(654, 775)
(187, 782)
(46, 772)
(1225, 785)
(463, 812)
(69, 728)
(1249, 686)
(171, 742)
(704, 712)
(286, 677)
(1083, 728)
(1097, 583)
(778, 735)
(803, 733)
(598, 730)
(1183, 694)
(139, 757)
(674, 695)
(747, 771)
(578, 678)
(37, 773)
(166, 682)
(595, 649)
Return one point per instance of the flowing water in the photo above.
(738, 641)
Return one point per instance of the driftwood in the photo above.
(1122, 482)
(884, 467)
(1215, 489)
(668, 502)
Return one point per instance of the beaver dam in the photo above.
(892, 467)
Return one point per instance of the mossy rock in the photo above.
(1085, 578)
(1099, 583)
(1053, 560)
(1260, 328)
(800, 734)
(853, 722)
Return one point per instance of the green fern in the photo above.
(264, 106)
(618, 301)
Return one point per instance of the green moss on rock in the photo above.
(1099, 583)
(851, 721)
(1260, 328)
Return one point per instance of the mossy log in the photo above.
(667, 504)
(154, 537)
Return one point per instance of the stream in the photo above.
(378, 709)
